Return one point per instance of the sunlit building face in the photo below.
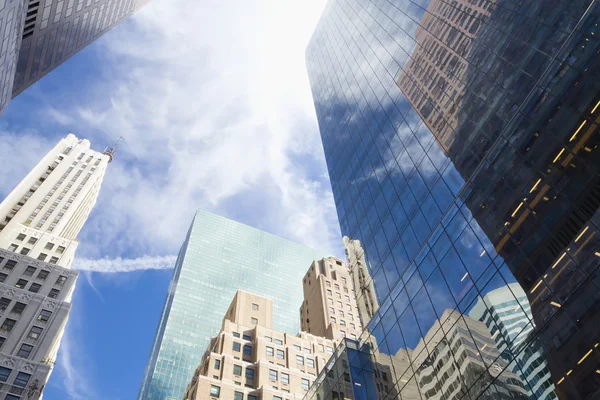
(461, 141)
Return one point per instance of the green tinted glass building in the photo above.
(218, 257)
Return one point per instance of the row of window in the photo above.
(270, 351)
(33, 240)
(29, 271)
(215, 391)
(25, 251)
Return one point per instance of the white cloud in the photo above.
(124, 265)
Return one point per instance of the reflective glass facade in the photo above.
(461, 138)
(219, 257)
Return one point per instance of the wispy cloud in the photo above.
(124, 265)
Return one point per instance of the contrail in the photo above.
(111, 265)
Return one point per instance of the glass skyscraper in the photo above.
(461, 138)
(220, 256)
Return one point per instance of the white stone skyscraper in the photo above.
(39, 223)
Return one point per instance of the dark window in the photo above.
(53, 260)
(215, 391)
(3, 277)
(247, 337)
(32, 240)
(10, 264)
(11, 397)
(49, 246)
(254, 306)
(4, 374)
(53, 293)
(35, 287)
(22, 379)
(20, 237)
(21, 283)
(35, 332)
(236, 346)
(44, 315)
(60, 249)
(249, 373)
(236, 334)
(8, 325)
(4, 302)
(238, 396)
(61, 280)
(29, 271)
(248, 350)
(25, 350)
(2, 340)
(25, 251)
(237, 370)
(18, 308)
(43, 275)
(217, 364)
(42, 256)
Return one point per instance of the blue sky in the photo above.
(214, 104)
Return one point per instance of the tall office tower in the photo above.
(509, 308)
(39, 35)
(363, 283)
(43, 215)
(219, 256)
(461, 141)
(329, 308)
(39, 223)
(249, 360)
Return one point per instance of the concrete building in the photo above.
(39, 223)
(329, 308)
(219, 257)
(250, 360)
(39, 35)
(42, 216)
(363, 282)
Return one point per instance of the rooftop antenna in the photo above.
(110, 151)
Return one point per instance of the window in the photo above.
(307, 351)
(32, 240)
(327, 283)
(236, 346)
(272, 375)
(299, 360)
(29, 271)
(4, 302)
(43, 275)
(248, 350)
(21, 237)
(2, 340)
(49, 246)
(332, 310)
(310, 362)
(339, 304)
(8, 325)
(4, 374)
(60, 249)
(337, 287)
(285, 378)
(13, 247)
(215, 391)
(247, 337)
(62, 279)
(347, 298)
(25, 251)
(42, 256)
(238, 396)
(21, 283)
(236, 334)
(345, 290)
(3, 277)
(305, 384)
(18, 308)
(270, 351)
(44, 315)
(344, 280)
(350, 317)
(348, 307)
(268, 339)
(278, 341)
(53, 293)
(330, 301)
(332, 318)
(352, 326)
(251, 397)
(237, 370)
(343, 333)
(277, 398)
(10, 264)
(280, 354)
(329, 292)
(35, 287)
(53, 260)
(255, 306)
(342, 322)
(249, 373)
(254, 321)
(22, 379)
(329, 350)
(25, 350)
(297, 348)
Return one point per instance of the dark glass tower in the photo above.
(39, 35)
(461, 139)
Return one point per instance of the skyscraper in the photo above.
(39, 35)
(39, 223)
(461, 142)
(220, 256)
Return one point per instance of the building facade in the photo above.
(249, 360)
(329, 309)
(39, 223)
(461, 141)
(39, 35)
(218, 257)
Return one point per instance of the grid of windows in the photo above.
(220, 255)
(461, 146)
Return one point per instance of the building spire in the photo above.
(110, 151)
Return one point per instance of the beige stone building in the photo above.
(329, 307)
(251, 361)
